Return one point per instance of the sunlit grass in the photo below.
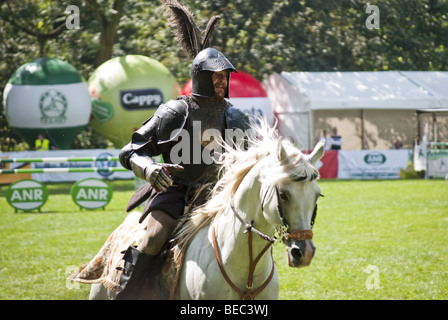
(398, 227)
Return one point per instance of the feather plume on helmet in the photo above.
(187, 32)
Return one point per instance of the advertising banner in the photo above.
(371, 164)
(70, 176)
(256, 106)
(328, 165)
(438, 164)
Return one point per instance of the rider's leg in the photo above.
(159, 228)
(137, 260)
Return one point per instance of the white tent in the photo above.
(371, 110)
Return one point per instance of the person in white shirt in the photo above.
(324, 138)
(336, 140)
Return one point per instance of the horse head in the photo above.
(290, 200)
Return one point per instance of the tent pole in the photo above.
(362, 130)
(311, 128)
(434, 128)
(418, 127)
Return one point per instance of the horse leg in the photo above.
(99, 292)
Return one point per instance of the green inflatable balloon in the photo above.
(125, 91)
(49, 96)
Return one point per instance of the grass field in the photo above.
(374, 239)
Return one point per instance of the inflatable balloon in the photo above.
(47, 96)
(247, 94)
(125, 91)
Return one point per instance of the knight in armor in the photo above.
(172, 185)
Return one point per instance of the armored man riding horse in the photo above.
(210, 217)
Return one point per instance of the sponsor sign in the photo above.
(329, 165)
(27, 195)
(256, 106)
(438, 164)
(91, 193)
(68, 176)
(369, 164)
(139, 99)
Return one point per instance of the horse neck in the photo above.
(231, 238)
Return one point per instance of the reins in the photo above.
(249, 294)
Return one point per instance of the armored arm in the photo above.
(153, 139)
(237, 119)
(239, 123)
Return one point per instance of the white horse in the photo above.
(223, 249)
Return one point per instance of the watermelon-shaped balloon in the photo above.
(125, 91)
(48, 96)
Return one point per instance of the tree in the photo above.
(259, 37)
(108, 14)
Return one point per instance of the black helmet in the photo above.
(204, 64)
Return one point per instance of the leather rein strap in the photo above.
(249, 294)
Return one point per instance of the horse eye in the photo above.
(284, 196)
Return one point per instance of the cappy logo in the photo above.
(53, 105)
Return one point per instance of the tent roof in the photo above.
(371, 89)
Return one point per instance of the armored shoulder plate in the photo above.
(172, 116)
(168, 117)
(236, 119)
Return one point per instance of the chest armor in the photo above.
(206, 120)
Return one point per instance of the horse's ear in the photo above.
(318, 152)
(281, 153)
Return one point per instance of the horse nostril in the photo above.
(296, 253)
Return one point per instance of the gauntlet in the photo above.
(157, 175)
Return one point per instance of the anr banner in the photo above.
(372, 164)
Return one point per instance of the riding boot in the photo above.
(132, 279)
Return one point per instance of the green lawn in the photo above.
(389, 236)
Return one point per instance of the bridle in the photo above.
(303, 234)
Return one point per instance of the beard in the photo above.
(220, 91)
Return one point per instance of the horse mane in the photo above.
(234, 166)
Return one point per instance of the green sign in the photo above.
(27, 195)
(375, 158)
(91, 193)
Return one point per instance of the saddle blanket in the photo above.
(103, 267)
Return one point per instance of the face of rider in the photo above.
(219, 80)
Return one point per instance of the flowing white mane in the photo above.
(234, 166)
